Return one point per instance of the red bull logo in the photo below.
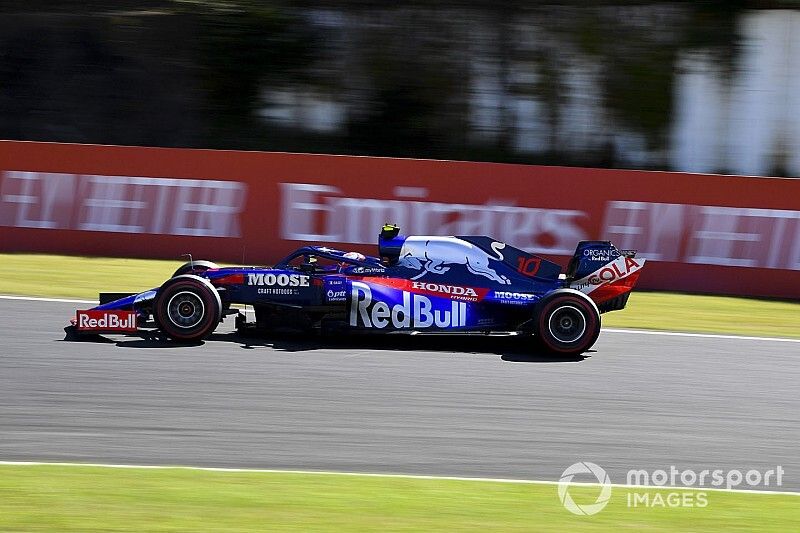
(414, 311)
(98, 320)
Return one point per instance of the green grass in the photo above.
(81, 277)
(70, 498)
(707, 314)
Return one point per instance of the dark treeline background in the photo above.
(432, 79)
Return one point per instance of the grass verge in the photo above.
(78, 498)
(81, 277)
(707, 314)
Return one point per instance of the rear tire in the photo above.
(187, 308)
(567, 324)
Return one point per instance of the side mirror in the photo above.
(309, 265)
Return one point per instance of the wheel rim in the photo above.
(186, 310)
(567, 324)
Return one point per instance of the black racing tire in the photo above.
(566, 323)
(194, 266)
(187, 308)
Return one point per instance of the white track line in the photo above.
(701, 335)
(37, 299)
(608, 330)
(381, 475)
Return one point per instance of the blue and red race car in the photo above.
(416, 284)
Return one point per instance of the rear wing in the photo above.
(604, 273)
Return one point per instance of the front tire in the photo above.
(187, 308)
(194, 266)
(567, 324)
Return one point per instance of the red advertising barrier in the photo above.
(700, 233)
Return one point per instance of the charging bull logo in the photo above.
(435, 254)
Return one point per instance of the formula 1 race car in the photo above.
(418, 284)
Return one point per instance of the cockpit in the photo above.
(322, 260)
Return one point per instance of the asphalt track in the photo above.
(417, 405)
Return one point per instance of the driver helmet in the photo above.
(351, 255)
(355, 255)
